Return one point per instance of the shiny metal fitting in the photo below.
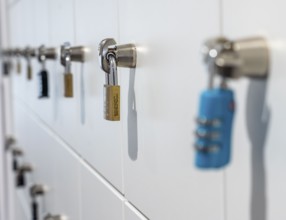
(125, 55)
(69, 54)
(46, 53)
(37, 189)
(233, 59)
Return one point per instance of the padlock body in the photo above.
(215, 119)
(34, 207)
(68, 85)
(15, 164)
(20, 180)
(6, 68)
(29, 72)
(43, 84)
(18, 66)
(112, 102)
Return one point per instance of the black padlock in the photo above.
(43, 84)
(6, 68)
(15, 164)
(34, 206)
(20, 179)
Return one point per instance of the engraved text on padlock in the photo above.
(68, 85)
(112, 102)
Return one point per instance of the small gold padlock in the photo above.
(68, 85)
(19, 69)
(112, 102)
(29, 72)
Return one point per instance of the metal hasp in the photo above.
(69, 53)
(55, 217)
(29, 52)
(9, 141)
(46, 53)
(125, 55)
(112, 56)
(234, 59)
(37, 189)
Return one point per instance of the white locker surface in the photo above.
(132, 213)
(21, 208)
(98, 200)
(82, 112)
(160, 99)
(100, 140)
(256, 178)
(97, 169)
(74, 188)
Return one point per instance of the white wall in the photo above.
(143, 166)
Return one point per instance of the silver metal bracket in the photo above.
(125, 55)
(37, 189)
(9, 142)
(70, 54)
(46, 53)
(18, 52)
(233, 59)
(16, 151)
(29, 52)
(26, 167)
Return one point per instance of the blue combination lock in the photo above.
(213, 142)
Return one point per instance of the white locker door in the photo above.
(41, 17)
(159, 105)
(24, 133)
(17, 21)
(28, 38)
(21, 207)
(41, 153)
(132, 213)
(66, 114)
(54, 165)
(256, 178)
(99, 199)
(67, 183)
(100, 140)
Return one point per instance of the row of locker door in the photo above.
(163, 161)
(74, 188)
(139, 155)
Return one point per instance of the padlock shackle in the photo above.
(112, 76)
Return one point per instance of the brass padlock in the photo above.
(112, 92)
(28, 54)
(17, 53)
(112, 56)
(69, 54)
(68, 85)
(112, 102)
(29, 72)
(19, 69)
